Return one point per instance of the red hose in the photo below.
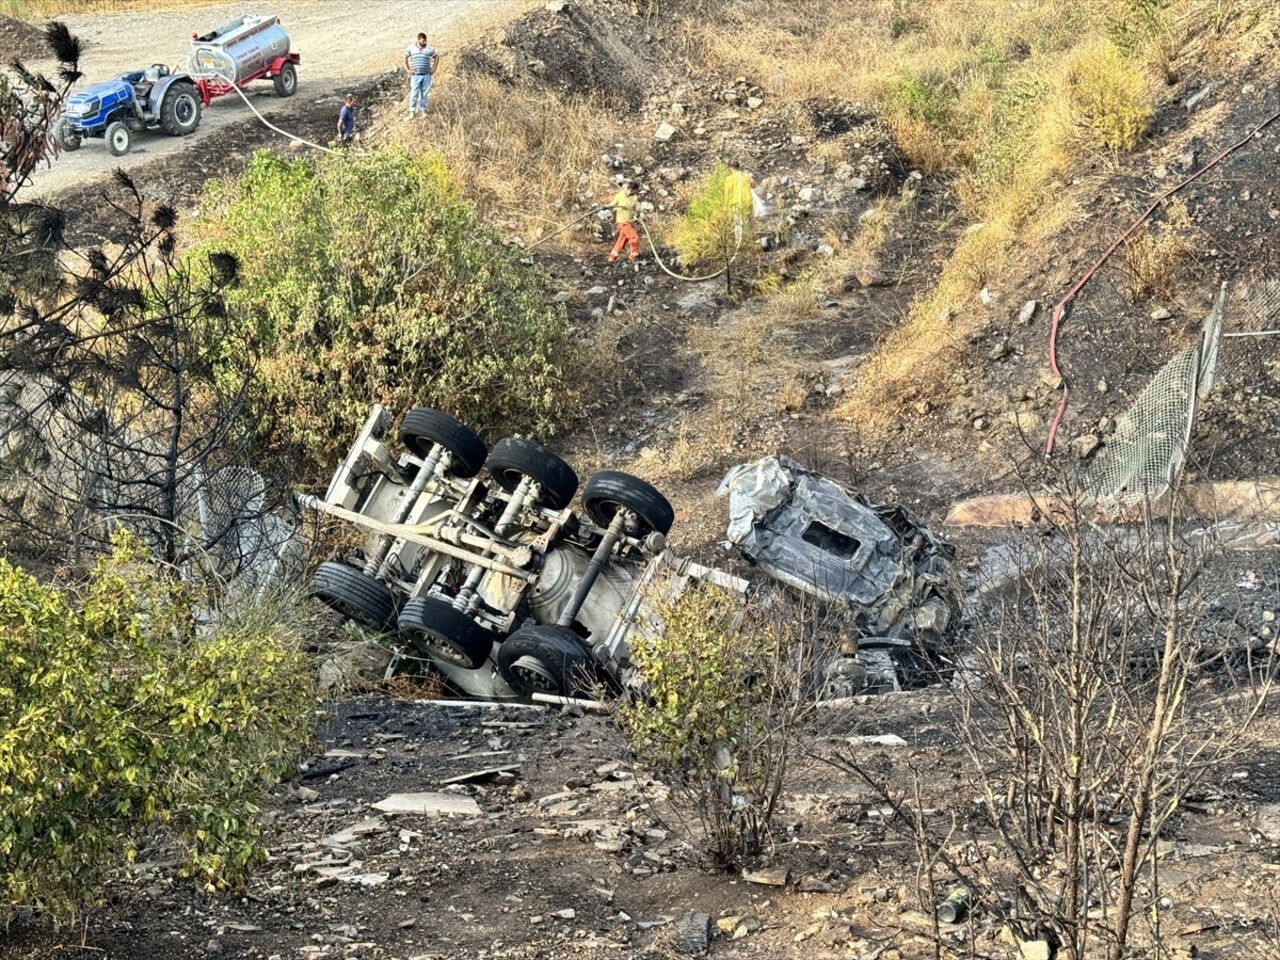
(1059, 311)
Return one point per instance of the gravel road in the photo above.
(338, 49)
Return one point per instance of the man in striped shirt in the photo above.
(420, 63)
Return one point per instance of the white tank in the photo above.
(239, 49)
(562, 568)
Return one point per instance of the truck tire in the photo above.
(609, 491)
(353, 593)
(180, 110)
(423, 427)
(286, 81)
(513, 459)
(118, 138)
(544, 659)
(441, 630)
(68, 139)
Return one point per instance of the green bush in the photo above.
(371, 279)
(119, 717)
(719, 716)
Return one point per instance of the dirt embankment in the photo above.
(21, 41)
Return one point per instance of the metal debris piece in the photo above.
(693, 933)
(809, 533)
(428, 803)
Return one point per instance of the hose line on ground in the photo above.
(737, 231)
(1059, 311)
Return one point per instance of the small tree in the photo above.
(718, 230)
(722, 715)
(132, 391)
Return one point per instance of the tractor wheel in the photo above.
(544, 659)
(512, 459)
(68, 139)
(422, 428)
(180, 110)
(440, 630)
(286, 81)
(609, 491)
(118, 138)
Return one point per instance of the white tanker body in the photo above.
(246, 49)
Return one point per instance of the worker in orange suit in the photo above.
(624, 212)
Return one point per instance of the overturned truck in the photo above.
(477, 560)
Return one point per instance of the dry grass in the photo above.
(518, 154)
(1008, 101)
(1151, 261)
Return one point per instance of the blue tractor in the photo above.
(146, 99)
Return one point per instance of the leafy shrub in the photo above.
(118, 717)
(1109, 90)
(371, 279)
(718, 721)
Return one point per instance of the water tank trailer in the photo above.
(246, 49)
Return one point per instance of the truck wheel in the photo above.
(286, 81)
(544, 659)
(423, 427)
(180, 110)
(68, 139)
(513, 459)
(441, 630)
(609, 491)
(118, 138)
(353, 593)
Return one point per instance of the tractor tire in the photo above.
(514, 459)
(544, 659)
(180, 110)
(423, 427)
(354, 594)
(442, 631)
(68, 139)
(609, 491)
(118, 138)
(286, 81)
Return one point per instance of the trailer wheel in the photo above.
(609, 491)
(180, 110)
(514, 459)
(353, 593)
(544, 659)
(68, 139)
(423, 427)
(286, 81)
(118, 138)
(441, 630)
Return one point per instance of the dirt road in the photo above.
(339, 48)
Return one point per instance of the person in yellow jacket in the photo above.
(624, 212)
